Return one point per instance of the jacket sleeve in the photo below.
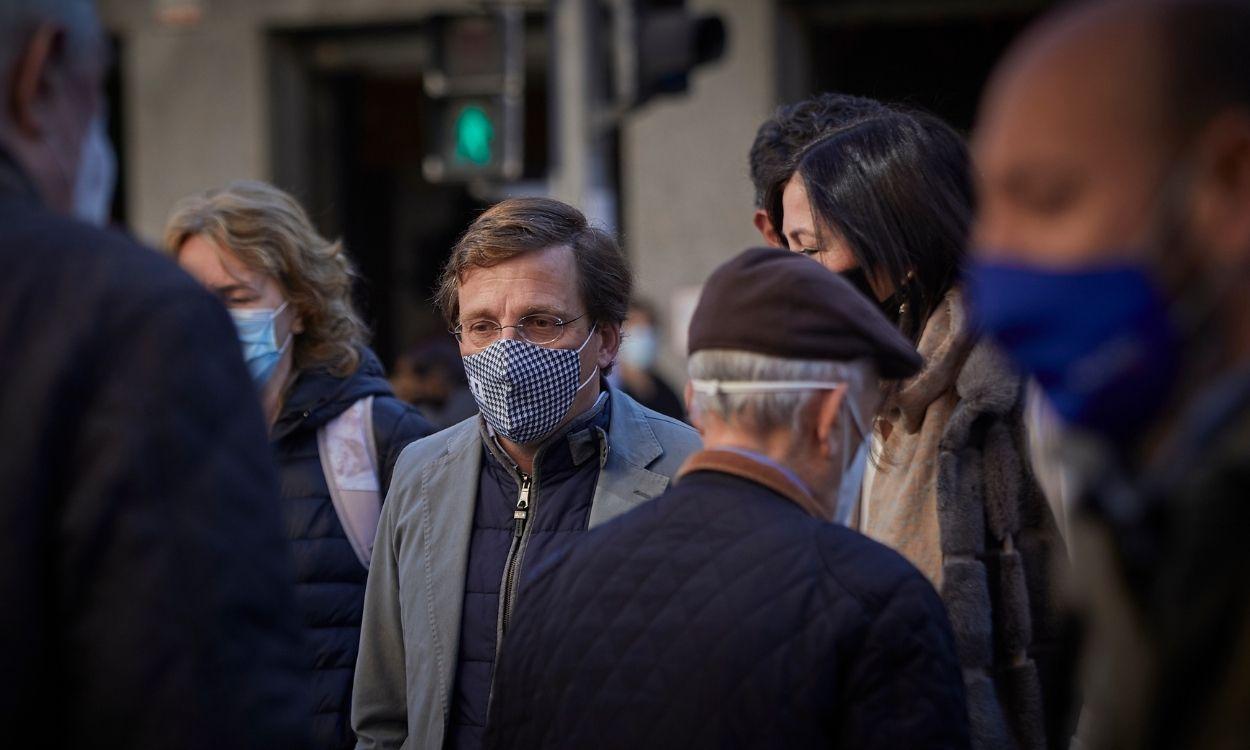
(174, 579)
(379, 695)
(904, 687)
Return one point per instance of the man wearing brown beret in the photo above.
(730, 612)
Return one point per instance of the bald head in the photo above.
(1093, 115)
(52, 63)
(20, 18)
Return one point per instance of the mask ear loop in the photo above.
(290, 336)
(579, 351)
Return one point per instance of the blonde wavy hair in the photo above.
(270, 233)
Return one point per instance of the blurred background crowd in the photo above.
(342, 104)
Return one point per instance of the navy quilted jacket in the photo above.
(723, 616)
(564, 483)
(330, 581)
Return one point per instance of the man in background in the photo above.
(145, 596)
(1113, 239)
(784, 135)
(636, 372)
(431, 377)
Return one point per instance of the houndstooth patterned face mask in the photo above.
(523, 389)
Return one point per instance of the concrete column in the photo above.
(686, 188)
(196, 114)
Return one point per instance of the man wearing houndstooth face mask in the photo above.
(535, 297)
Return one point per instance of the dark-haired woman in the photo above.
(887, 203)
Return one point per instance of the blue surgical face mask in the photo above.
(1101, 341)
(639, 348)
(258, 335)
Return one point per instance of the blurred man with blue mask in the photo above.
(1113, 244)
(535, 297)
(146, 602)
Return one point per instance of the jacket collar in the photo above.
(757, 469)
(944, 344)
(624, 480)
(586, 437)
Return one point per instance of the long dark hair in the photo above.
(898, 188)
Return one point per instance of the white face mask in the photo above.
(96, 176)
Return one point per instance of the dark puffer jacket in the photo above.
(721, 615)
(330, 581)
(145, 592)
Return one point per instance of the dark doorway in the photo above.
(348, 139)
(934, 55)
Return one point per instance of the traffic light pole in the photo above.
(582, 174)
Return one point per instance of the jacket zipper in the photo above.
(519, 516)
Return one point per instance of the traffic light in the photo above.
(474, 97)
(658, 43)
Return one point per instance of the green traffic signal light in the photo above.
(474, 134)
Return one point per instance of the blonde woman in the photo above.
(335, 427)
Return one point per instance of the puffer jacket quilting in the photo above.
(330, 581)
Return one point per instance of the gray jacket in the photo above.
(411, 629)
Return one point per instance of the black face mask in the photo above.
(888, 306)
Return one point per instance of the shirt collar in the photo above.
(758, 468)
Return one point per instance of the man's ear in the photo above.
(32, 80)
(1221, 198)
(610, 344)
(765, 228)
(828, 407)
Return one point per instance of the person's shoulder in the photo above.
(454, 442)
(672, 433)
(403, 420)
(100, 262)
(866, 569)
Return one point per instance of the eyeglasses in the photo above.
(540, 329)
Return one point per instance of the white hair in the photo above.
(778, 409)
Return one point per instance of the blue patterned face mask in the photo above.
(524, 390)
(259, 338)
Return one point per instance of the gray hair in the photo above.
(19, 18)
(779, 409)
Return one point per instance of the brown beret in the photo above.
(787, 305)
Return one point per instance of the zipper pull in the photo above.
(522, 507)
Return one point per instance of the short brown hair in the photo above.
(272, 234)
(521, 225)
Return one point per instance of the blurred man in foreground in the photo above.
(1114, 250)
(145, 596)
(731, 612)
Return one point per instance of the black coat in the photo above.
(329, 579)
(721, 616)
(145, 587)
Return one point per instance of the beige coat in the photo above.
(955, 494)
